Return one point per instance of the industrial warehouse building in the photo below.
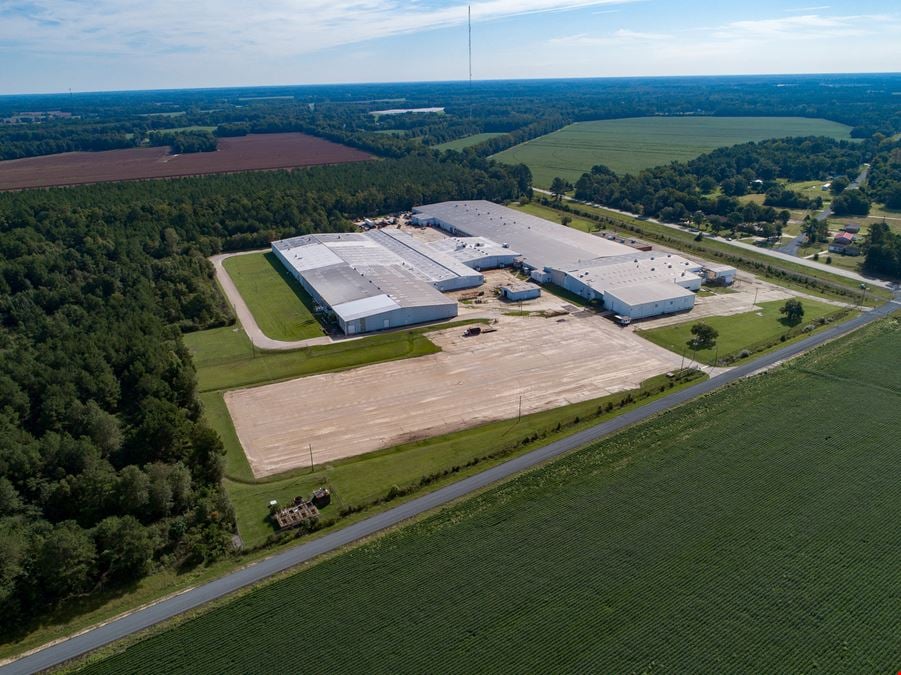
(376, 280)
(633, 283)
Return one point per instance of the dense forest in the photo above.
(107, 469)
(518, 109)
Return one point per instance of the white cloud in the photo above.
(273, 27)
(804, 26)
(620, 37)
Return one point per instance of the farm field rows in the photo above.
(629, 145)
(280, 305)
(244, 153)
(701, 540)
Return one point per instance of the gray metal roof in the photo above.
(641, 294)
(360, 275)
(541, 242)
(635, 270)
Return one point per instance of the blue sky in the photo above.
(87, 45)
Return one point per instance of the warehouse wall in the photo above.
(645, 310)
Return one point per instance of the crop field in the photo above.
(748, 330)
(700, 541)
(246, 153)
(467, 142)
(280, 305)
(629, 145)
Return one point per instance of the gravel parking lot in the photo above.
(548, 362)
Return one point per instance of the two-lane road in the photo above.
(195, 597)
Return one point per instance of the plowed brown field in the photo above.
(246, 153)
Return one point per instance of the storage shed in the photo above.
(520, 291)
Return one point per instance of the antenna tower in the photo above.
(469, 28)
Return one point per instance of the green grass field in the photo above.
(467, 142)
(225, 359)
(629, 145)
(282, 308)
(752, 330)
(752, 531)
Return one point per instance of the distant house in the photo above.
(853, 228)
(843, 243)
(843, 238)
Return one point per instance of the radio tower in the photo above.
(469, 28)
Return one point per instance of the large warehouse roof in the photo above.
(357, 275)
(639, 268)
(541, 242)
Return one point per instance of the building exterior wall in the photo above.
(526, 294)
(574, 285)
(650, 308)
(395, 318)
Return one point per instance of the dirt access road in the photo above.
(548, 362)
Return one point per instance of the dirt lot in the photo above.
(245, 153)
(547, 361)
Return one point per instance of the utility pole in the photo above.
(755, 295)
(519, 414)
(311, 457)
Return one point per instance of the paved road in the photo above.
(193, 598)
(792, 247)
(804, 262)
(242, 311)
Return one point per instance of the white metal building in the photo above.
(590, 266)
(716, 273)
(478, 253)
(520, 291)
(649, 299)
(377, 280)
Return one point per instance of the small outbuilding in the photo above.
(520, 291)
(714, 273)
(853, 228)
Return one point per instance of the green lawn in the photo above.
(629, 145)
(225, 358)
(282, 308)
(554, 216)
(468, 141)
(752, 531)
(753, 331)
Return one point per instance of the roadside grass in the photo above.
(631, 144)
(281, 307)
(848, 262)
(467, 142)
(754, 501)
(752, 331)
(777, 271)
(554, 216)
